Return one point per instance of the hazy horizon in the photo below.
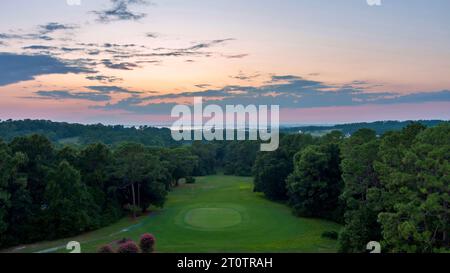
(282, 125)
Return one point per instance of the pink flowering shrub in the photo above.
(147, 243)
(106, 249)
(124, 240)
(128, 247)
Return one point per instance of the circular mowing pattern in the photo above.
(212, 218)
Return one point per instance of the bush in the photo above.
(128, 247)
(333, 235)
(190, 180)
(124, 240)
(147, 243)
(106, 249)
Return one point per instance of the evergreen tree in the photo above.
(361, 192)
(271, 169)
(141, 174)
(5, 173)
(315, 185)
(67, 202)
(414, 170)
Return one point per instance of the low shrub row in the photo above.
(126, 246)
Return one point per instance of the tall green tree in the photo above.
(414, 170)
(67, 202)
(272, 168)
(315, 185)
(40, 155)
(15, 201)
(206, 154)
(141, 173)
(20, 215)
(5, 174)
(69, 154)
(95, 165)
(182, 163)
(361, 194)
(239, 157)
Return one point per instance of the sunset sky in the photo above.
(131, 61)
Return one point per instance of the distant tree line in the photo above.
(78, 134)
(380, 127)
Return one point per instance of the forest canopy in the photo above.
(393, 188)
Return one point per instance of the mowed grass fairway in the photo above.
(217, 214)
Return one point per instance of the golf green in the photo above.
(212, 218)
(217, 214)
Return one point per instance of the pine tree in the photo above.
(68, 202)
(361, 192)
(414, 171)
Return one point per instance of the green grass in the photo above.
(217, 218)
(217, 214)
